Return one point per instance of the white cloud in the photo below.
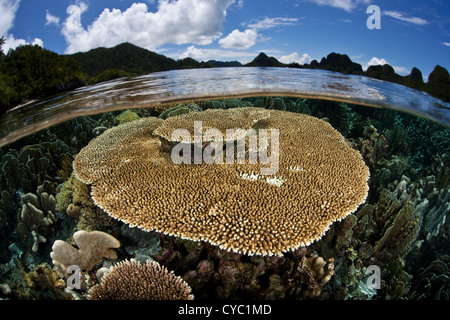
(400, 16)
(239, 40)
(205, 54)
(347, 5)
(295, 57)
(446, 44)
(178, 22)
(202, 54)
(375, 61)
(51, 19)
(8, 9)
(268, 23)
(243, 40)
(194, 53)
(12, 43)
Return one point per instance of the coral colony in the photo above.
(213, 153)
(120, 205)
(228, 205)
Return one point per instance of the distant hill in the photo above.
(21, 81)
(262, 60)
(439, 83)
(384, 72)
(127, 59)
(340, 63)
(224, 64)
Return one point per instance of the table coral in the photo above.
(320, 180)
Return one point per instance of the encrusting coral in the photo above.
(127, 116)
(320, 180)
(131, 280)
(92, 248)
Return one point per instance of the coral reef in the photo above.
(320, 180)
(238, 118)
(218, 274)
(131, 280)
(402, 227)
(316, 272)
(435, 218)
(373, 146)
(32, 165)
(140, 245)
(433, 282)
(181, 108)
(73, 197)
(46, 280)
(92, 248)
(38, 212)
(388, 234)
(125, 117)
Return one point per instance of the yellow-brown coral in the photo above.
(130, 280)
(320, 180)
(220, 119)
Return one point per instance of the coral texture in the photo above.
(38, 212)
(320, 180)
(92, 247)
(131, 280)
(239, 118)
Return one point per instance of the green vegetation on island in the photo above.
(31, 72)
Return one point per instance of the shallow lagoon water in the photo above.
(218, 83)
(402, 227)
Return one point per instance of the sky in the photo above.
(403, 33)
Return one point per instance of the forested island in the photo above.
(31, 72)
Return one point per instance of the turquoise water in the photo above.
(401, 228)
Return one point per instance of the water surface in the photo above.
(218, 83)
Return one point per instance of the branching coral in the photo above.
(38, 211)
(316, 272)
(373, 146)
(227, 275)
(435, 218)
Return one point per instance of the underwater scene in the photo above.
(340, 201)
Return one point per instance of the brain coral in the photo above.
(320, 180)
(130, 280)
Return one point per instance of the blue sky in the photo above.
(413, 33)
